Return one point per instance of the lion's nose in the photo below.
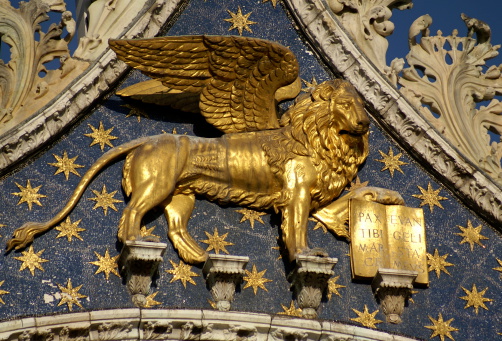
(364, 123)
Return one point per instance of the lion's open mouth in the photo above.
(354, 132)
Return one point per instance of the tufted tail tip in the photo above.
(25, 235)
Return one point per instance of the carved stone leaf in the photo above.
(114, 331)
(106, 20)
(25, 82)
(445, 74)
(368, 23)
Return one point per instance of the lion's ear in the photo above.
(322, 93)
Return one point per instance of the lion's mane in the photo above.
(311, 130)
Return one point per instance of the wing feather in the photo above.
(153, 91)
(235, 77)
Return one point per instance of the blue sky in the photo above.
(446, 17)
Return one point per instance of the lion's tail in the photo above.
(25, 234)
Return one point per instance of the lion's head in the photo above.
(330, 125)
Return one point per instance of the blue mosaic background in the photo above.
(39, 294)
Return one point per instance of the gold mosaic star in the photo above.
(471, 235)
(333, 287)
(291, 311)
(251, 216)
(182, 272)
(104, 200)
(274, 2)
(2, 292)
(240, 21)
(430, 197)
(278, 248)
(412, 292)
(106, 264)
(2, 225)
(216, 242)
(31, 260)
(499, 269)
(135, 111)
(212, 304)
(70, 295)
(475, 299)
(441, 328)
(357, 184)
(438, 263)
(150, 300)
(391, 162)
(65, 165)
(68, 229)
(309, 85)
(318, 225)
(148, 232)
(366, 318)
(101, 136)
(255, 279)
(29, 195)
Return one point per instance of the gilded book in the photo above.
(387, 236)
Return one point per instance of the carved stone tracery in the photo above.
(446, 74)
(395, 113)
(26, 82)
(368, 23)
(182, 324)
(75, 83)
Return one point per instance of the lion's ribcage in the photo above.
(235, 162)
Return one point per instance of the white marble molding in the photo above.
(28, 136)
(178, 324)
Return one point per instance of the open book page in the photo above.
(387, 236)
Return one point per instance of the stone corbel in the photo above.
(223, 274)
(392, 288)
(310, 280)
(139, 261)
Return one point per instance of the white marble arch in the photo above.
(23, 139)
(183, 324)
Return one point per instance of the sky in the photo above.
(445, 17)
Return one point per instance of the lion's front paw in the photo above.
(316, 251)
(379, 195)
(153, 239)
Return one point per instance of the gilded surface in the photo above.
(436, 312)
(387, 236)
(295, 165)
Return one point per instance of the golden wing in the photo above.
(238, 80)
(153, 91)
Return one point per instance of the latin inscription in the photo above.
(387, 237)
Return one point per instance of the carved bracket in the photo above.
(392, 288)
(138, 261)
(310, 280)
(223, 274)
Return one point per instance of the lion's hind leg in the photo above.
(141, 202)
(177, 211)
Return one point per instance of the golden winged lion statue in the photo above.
(297, 164)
